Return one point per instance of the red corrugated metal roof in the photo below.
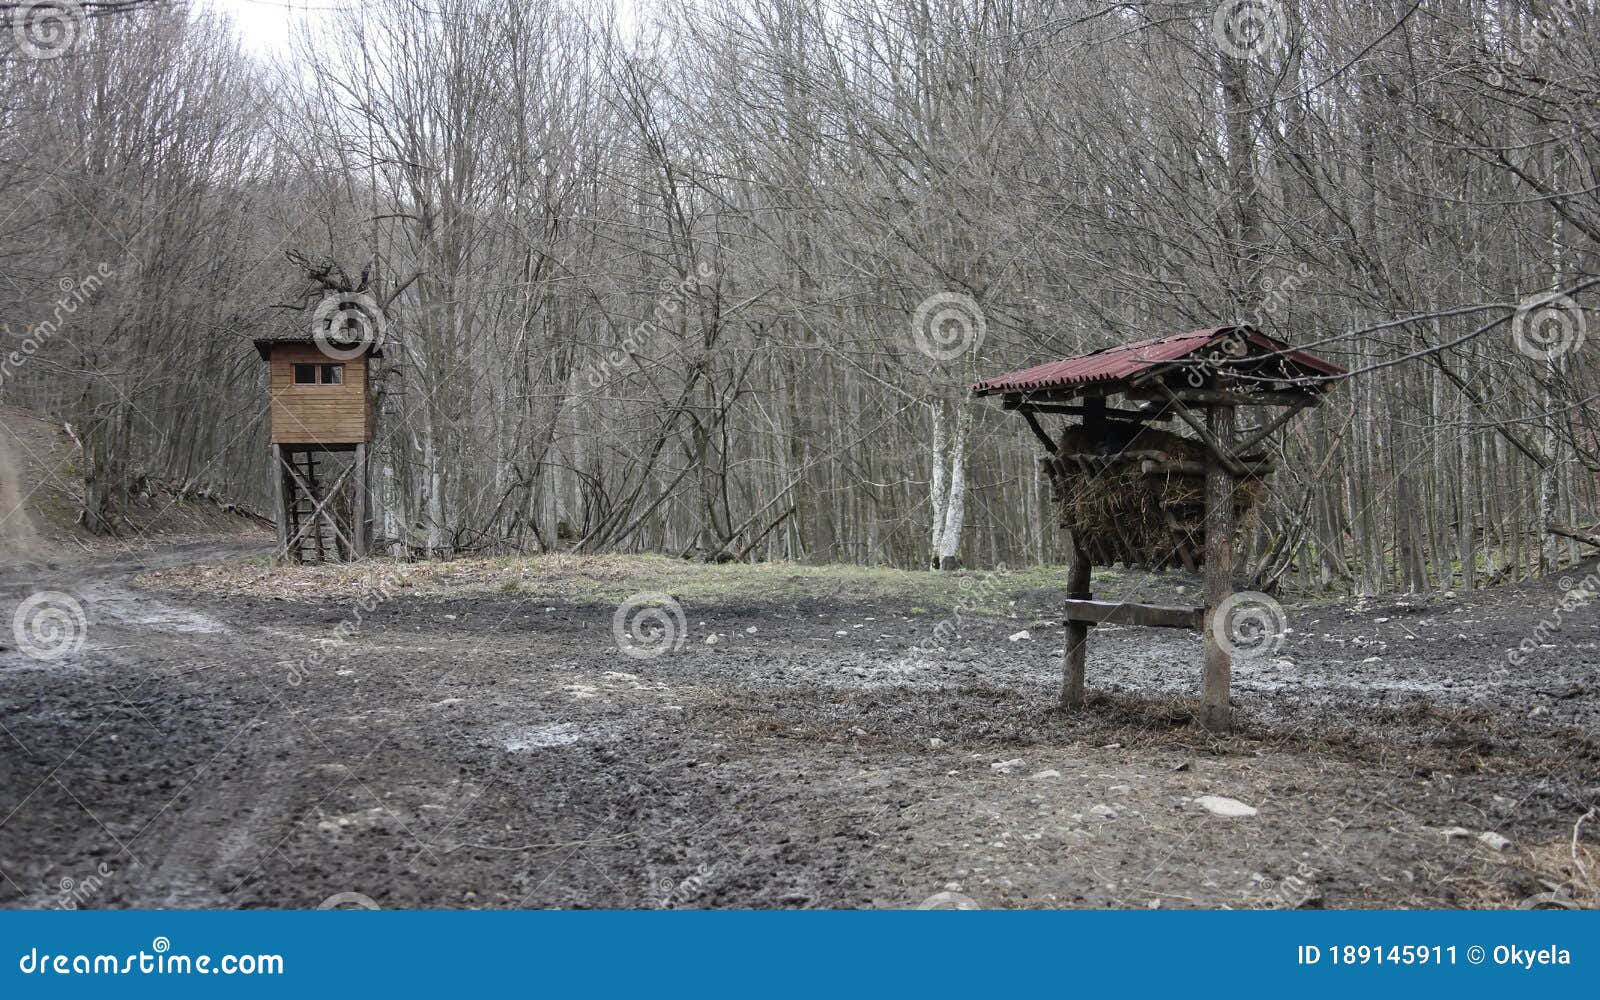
(1117, 363)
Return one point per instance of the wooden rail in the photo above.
(1120, 613)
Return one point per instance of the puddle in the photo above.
(144, 613)
(556, 734)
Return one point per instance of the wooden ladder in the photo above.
(313, 545)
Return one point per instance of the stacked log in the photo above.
(1137, 495)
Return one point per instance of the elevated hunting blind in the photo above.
(1134, 492)
(319, 381)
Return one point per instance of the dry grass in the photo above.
(1570, 867)
(608, 578)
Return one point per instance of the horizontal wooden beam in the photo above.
(1156, 467)
(1149, 615)
(1212, 397)
(1069, 410)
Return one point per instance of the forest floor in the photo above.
(235, 734)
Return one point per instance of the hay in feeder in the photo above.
(1139, 498)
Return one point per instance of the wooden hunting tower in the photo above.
(319, 379)
(1134, 492)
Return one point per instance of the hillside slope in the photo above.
(41, 496)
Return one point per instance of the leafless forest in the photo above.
(660, 279)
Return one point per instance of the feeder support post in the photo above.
(358, 520)
(1215, 711)
(280, 505)
(1077, 648)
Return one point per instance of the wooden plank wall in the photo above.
(317, 414)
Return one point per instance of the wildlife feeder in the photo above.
(1132, 491)
(319, 380)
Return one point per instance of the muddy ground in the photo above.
(497, 749)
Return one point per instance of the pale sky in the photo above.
(264, 24)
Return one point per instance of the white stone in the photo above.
(1022, 636)
(712, 640)
(1221, 805)
(1006, 766)
(1104, 811)
(1047, 773)
(1493, 841)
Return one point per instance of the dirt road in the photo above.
(499, 750)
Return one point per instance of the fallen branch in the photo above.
(761, 537)
(1586, 537)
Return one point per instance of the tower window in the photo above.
(318, 374)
